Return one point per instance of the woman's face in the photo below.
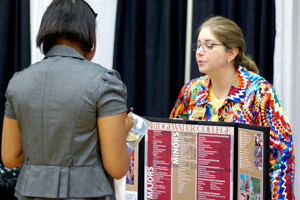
(214, 61)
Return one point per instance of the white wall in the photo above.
(106, 10)
(286, 70)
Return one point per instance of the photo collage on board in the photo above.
(258, 151)
(130, 172)
(250, 185)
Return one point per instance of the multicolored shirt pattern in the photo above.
(251, 100)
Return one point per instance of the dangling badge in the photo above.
(198, 112)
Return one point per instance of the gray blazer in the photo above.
(56, 103)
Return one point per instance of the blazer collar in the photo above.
(65, 51)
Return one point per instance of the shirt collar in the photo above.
(239, 85)
(237, 90)
(62, 50)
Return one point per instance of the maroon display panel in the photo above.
(187, 161)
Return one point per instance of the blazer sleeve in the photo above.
(282, 158)
(182, 103)
(112, 97)
(9, 95)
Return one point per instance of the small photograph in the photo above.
(130, 172)
(258, 163)
(255, 188)
(258, 141)
(130, 196)
(244, 196)
(258, 152)
(133, 138)
(245, 183)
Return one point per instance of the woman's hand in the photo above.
(129, 122)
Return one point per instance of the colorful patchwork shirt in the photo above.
(251, 100)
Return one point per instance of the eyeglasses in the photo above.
(206, 46)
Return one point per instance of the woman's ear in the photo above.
(232, 53)
(89, 55)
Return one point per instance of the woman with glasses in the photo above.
(232, 91)
(65, 117)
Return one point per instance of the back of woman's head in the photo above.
(230, 34)
(70, 19)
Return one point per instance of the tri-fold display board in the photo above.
(181, 159)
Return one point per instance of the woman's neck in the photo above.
(70, 43)
(222, 81)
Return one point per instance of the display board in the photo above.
(182, 159)
(253, 166)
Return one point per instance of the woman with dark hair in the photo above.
(232, 91)
(65, 117)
